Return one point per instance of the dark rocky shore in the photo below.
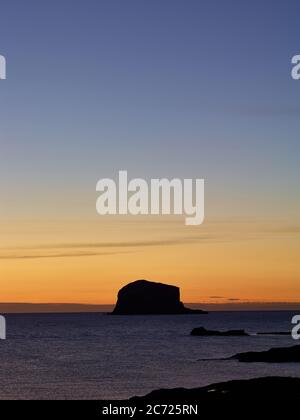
(203, 332)
(274, 355)
(259, 389)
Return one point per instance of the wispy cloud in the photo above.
(62, 255)
(267, 110)
(20, 252)
(87, 249)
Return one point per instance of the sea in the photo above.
(99, 356)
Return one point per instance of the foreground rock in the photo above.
(203, 332)
(274, 355)
(268, 388)
(143, 297)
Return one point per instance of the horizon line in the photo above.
(63, 307)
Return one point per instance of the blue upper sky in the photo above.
(161, 88)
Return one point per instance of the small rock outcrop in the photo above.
(203, 332)
(144, 297)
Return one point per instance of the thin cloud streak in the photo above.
(134, 244)
(99, 245)
(63, 255)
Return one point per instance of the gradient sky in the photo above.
(162, 89)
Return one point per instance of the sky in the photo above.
(171, 88)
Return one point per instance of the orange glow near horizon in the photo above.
(220, 261)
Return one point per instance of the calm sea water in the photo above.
(94, 356)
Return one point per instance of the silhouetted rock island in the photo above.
(203, 332)
(144, 297)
